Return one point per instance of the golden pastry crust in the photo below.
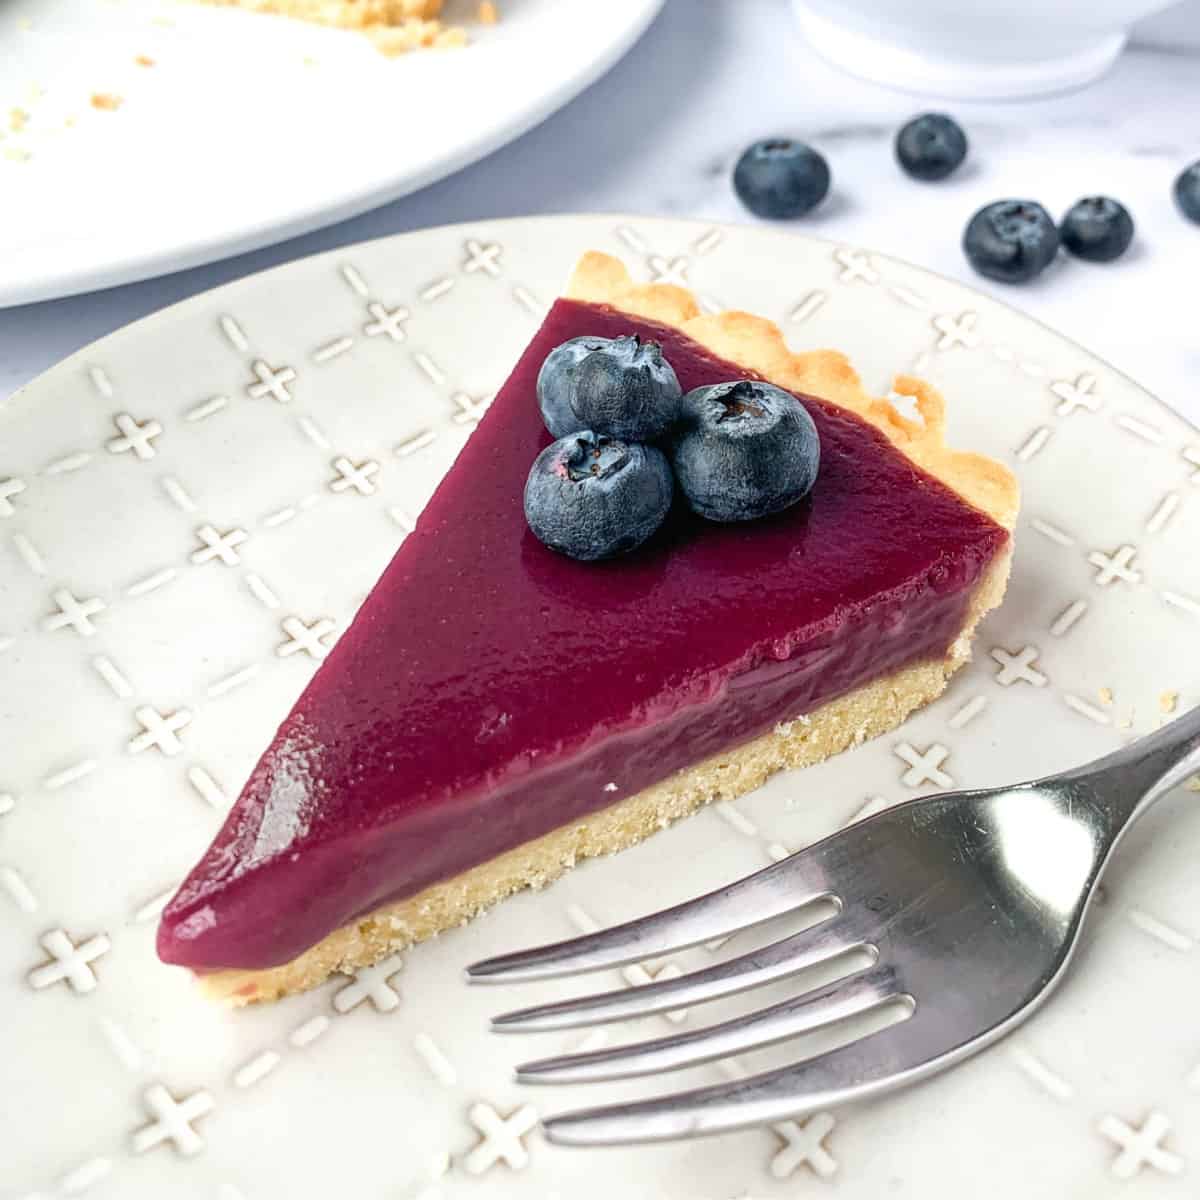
(758, 344)
(868, 711)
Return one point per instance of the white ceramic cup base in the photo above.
(958, 63)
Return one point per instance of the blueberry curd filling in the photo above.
(491, 690)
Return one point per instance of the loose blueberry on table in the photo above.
(931, 146)
(1097, 229)
(590, 496)
(1187, 192)
(1011, 240)
(780, 178)
(744, 450)
(625, 389)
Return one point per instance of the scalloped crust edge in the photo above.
(758, 344)
(868, 711)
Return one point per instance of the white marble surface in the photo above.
(661, 132)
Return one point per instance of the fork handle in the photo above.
(1130, 780)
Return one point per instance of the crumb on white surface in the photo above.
(106, 101)
(144, 60)
(1106, 695)
(18, 118)
(1167, 702)
(422, 35)
(1193, 784)
(394, 26)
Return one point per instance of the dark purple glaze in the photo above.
(489, 690)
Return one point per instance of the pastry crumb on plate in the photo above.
(416, 35)
(394, 26)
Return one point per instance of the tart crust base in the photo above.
(866, 712)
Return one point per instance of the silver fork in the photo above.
(969, 905)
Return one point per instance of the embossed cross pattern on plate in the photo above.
(306, 639)
(218, 545)
(483, 257)
(159, 731)
(386, 322)
(501, 1138)
(136, 436)
(68, 962)
(804, 1144)
(271, 381)
(172, 1121)
(354, 476)
(76, 967)
(74, 614)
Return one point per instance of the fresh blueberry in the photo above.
(1011, 240)
(931, 146)
(1096, 228)
(780, 178)
(555, 382)
(590, 496)
(1187, 192)
(744, 450)
(625, 389)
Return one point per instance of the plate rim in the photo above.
(230, 287)
(553, 242)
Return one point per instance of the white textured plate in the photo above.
(193, 507)
(249, 129)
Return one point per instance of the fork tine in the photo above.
(879, 1062)
(849, 997)
(778, 889)
(776, 961)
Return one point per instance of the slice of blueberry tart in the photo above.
(674, 558)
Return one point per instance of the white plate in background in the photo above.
(250, 129)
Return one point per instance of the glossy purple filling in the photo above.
(490, 691)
